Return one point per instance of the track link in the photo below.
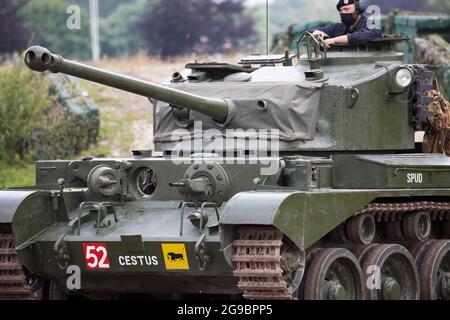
(258, 264)
(13, 282)
(385, 212)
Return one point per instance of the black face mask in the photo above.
(348, 19)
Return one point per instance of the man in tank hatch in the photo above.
(354, 28)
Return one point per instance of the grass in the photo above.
(19, 174)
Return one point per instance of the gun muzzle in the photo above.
(39, 59)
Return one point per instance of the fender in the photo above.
(10, 202)
(34, 215)
(304, 217)
(30, 213)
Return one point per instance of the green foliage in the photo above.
(63, 135)
(177, 27)
(47, 19)
(165, 24)
(33, 123)
(17, 174)
(117, 30)
(23, 99)
(12, 34)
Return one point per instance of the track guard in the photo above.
(303, 217)
(30, 214)
(11, 200)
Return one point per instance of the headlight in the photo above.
(143, 182)
(404, 78)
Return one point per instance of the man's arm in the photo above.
(327, 29)
(332, 30)
(364, 35)
(328, 43)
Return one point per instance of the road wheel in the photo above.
(334, 274)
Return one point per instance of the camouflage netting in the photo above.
(70, 126)
(437, 132)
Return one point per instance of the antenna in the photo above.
(267, 27)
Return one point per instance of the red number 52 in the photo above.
(96, 256)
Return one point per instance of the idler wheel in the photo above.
(361, 229)
(417, 226)
(435, 272)
(391, 274)
(334, 274)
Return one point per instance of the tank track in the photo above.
(257, 259)
(13, 281)
(384, 212)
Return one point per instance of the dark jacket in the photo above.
(361, 34)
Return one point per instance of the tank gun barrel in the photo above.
(41, 59)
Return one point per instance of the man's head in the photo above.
(351, 6)
(350, 11)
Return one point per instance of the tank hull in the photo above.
(152, 247)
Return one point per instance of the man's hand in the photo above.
(321, 34)
(328, 43)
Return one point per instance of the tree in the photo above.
(175, 27)
(117, 31)
(12, 33)
(47, 19)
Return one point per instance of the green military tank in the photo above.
(275, 180)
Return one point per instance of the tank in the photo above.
(270, 180)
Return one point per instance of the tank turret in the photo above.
(323, 104)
